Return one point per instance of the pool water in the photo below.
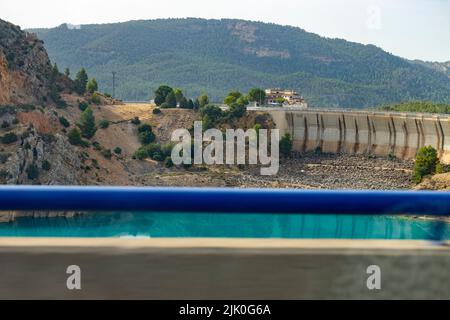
(123, 224)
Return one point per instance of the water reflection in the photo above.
(125, 224)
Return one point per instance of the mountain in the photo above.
(216, 56)
(443, 67)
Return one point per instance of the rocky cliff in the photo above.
(25, 69)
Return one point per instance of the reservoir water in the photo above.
(124, 224)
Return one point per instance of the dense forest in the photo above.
(218, 56)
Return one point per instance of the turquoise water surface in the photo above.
(122, 224)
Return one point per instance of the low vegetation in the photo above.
(421, 107)
(425, 164)
(75, 138)
(9, 138)
(286, 144)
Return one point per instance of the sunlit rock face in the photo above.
(25, 68)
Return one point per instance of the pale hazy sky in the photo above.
(415, 29)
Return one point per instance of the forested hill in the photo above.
(216, 56)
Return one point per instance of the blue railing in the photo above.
(205, 200)
(223, 200)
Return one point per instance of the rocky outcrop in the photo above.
(25, 69)
(34, 151)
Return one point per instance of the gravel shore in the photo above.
(326, 171)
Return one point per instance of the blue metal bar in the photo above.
(41, 198)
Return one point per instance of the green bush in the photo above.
(83, 105)
(75, 139)
(168, 163)
(140, 154)
(157, 156)
(104, 123)
(32, 172)
(9, 138)
(286, 145)
(145, 127)
(146, 137)
(92, 86)
(154, 151)
(156, 111)
(136, 121)
(46, 165)
(97, 146)
(166, 149)
(425, 164)
(118, 150)
(96, 98)
(64, 122)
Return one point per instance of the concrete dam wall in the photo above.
(365, 132)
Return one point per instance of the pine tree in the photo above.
(87, 123)
(81, 81)
(92, 86)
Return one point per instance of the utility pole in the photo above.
(114, 85)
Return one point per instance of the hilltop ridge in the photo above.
(218, 56)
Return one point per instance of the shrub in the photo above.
(83, 105)
(146, 137)
(96, 98)
(153, 150)
(168, 163)
(92, 86)
(97, 146)
(425, 164)
(145, 127)
(166, 149)
(238, 111)
(32, 172)
(286, 145)
(104, 123)
(75, 139)
(156, 111)
(118, 150)
(9, 138)
(64, 122)
(165, 106)
(140, 154)
(136, 121)
(46, 165)
(440, 168)
(15, 121)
